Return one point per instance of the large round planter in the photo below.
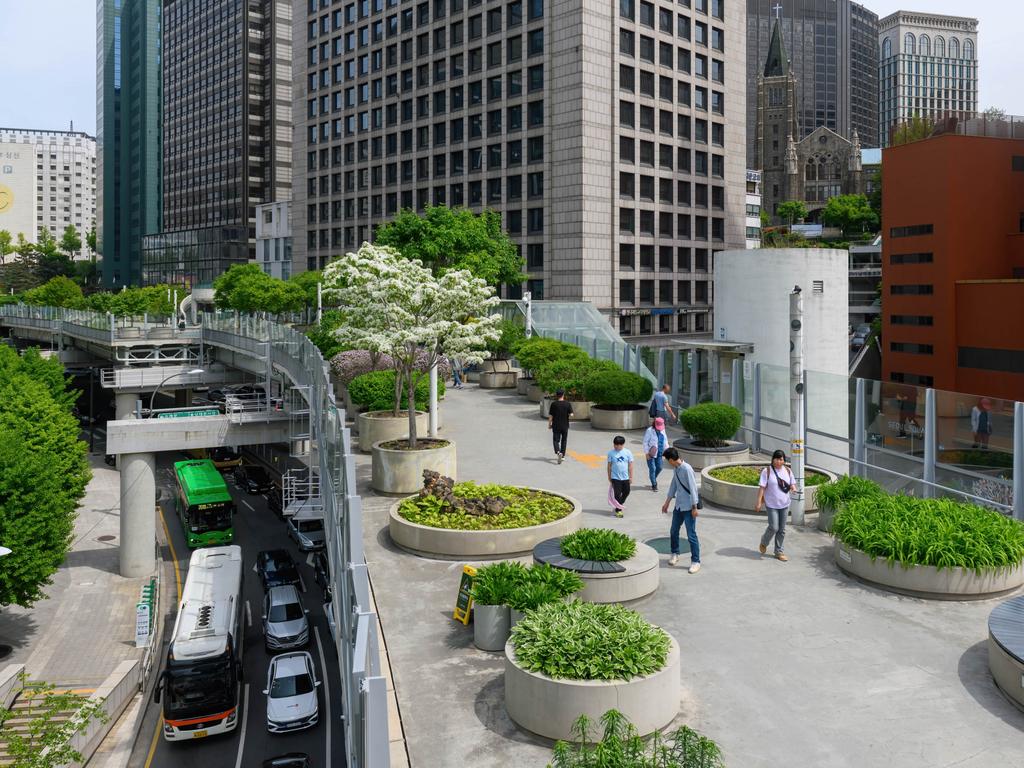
(619, 420)
(639, 579)
(1006, 649)
(742, 498)
(925, 580)
(549, 707)
(825, 515)
(491, 625)
(456, 544)
(375, 426)
(498, 379)
(523, 384)
(398, 471)
(534, 393)
(580, 409)
(498, 366)
(699, 457)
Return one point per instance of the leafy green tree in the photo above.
(90, 242)
(444, 239)
(791, 211)
(325, 335)
(875, 198)
(913, 128)
(43, 474)
(5, 245)
(58, 291)
(52, 262)
(70, 242)
(851, 213)
(87, 274)
(247, 288)
(22, 272)
(307, 282)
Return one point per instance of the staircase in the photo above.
(27, 706)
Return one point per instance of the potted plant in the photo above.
(493, 587)
(617, 397)
(735, 485)
(535, 352)
(570, 375)
(711, 427)
(374, 392)
(831, 496)
(497, 371)
(529, 596)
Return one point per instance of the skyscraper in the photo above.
(606, 135)
(128, 120)
(833, 56)
(928, 67)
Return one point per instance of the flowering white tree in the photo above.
(395, 306)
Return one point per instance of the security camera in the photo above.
(796, 289)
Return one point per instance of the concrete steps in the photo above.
(27, 708)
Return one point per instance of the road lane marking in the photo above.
(250, 506)
(327, 694)
(245, 720)
(302, 583)
(248, 614)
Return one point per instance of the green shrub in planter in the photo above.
(535, 352)
(616, 388)
(939, 532)
(589, 641)
(751, 475)
(512, 335)
(563, 581)
(526, 508)
(376, 391)
(532, 595)
(711, 424)
(600, 544)
(496, 583)
(833, 495)
(621, 746)
(571, 375)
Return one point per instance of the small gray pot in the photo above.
(516, 616)
(491, 625)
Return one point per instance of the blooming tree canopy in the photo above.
(395, 306)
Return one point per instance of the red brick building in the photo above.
(953, 263)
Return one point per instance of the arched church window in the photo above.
(908, 43)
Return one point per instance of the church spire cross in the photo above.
(778, 10)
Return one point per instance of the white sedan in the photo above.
(291, 693)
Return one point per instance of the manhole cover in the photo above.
(661, 545)
(106, 537)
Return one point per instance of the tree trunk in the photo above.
(411, 388)
(399, 378)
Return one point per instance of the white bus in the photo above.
(200, 686)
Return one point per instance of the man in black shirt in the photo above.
(558, 422)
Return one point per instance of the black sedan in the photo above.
(254, 479)
(276, 568)
(290, 760)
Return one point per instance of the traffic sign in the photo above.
(189, 414)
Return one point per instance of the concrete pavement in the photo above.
(783, 663)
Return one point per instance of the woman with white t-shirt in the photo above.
(776, 487)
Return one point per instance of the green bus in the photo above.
(203, 503)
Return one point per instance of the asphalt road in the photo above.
(256, 528)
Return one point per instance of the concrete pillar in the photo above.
(182, 398)
(124, 404)
(138, 516)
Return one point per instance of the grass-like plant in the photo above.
(751, 475)
(711, 424)
(589, 641)
(846, 488)
(562, 580)
(601, 544)
(621, 746)
(509, 582)
(526, 508)
(495, 584)
(939, 532)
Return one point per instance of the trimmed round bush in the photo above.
(600, 544)
(846, 488)
(711, 424)
(751, 475)
(526, 508)
(376, 391)
(512, 335)
(938, 532)
(589, 641)
(617, 388)
(571, 375)
(535, 352)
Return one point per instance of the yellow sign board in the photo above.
(464, 602)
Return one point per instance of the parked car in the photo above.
(307, 531)
(274, 501)
(291, 693)
(253, 478)
(858, 341)
(285, 626)
(276, 568)
(321, 570)
(290, 760)
(864, 329)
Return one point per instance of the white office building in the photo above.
(753, 217)
(47, 179)
(274, 239)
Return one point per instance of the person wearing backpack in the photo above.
(660, 407)
(777, 485)
(654, 448)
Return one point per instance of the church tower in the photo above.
(776, 124)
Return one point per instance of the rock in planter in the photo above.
(698, 456)
(491, 625)
(375, 426)
(395, 470)
(616, 419)
(607, 582)
(498, 379)
(927, 581)
(580, 409)
(523, 384)
(742, 498)
(549, 707)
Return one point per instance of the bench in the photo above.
(1006, 648)
(550, 552)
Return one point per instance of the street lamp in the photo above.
(152, 397)
(5, 650)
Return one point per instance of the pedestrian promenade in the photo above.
(782, 663)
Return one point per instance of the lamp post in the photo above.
(5, 650)
(152, 397)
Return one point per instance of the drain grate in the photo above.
(106, 537)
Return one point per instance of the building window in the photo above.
(627, 256)
(908, 44)
(626, 295)
(910, 319)
(1004, 360)
(912, 378)
(910, 290)
(910, 348)
(910, 258)
(914, 230)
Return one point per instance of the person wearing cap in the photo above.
(654, 449)
(981, 423)
(558, 422)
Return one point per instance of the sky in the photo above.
(48, 49)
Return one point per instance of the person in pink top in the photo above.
(777, 485)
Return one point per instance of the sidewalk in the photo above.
(783, 663)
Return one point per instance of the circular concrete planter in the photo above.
(491, 625)
(445, 542)
(534, 393)
(1005, 648)
(549, 707)
(375, 426)
(580, 409)
(397, 471)
(825, 515)
(925, 580)
(523, 384)
(498, 379)
(742, 498)
(618, 420)
(498, 366)
(640, 579)
(699, 457)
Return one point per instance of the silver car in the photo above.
(308, 532)
(285, 625)
(291, 693)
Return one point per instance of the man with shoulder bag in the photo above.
(682, 493)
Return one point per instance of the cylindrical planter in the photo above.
(549, 707)
(498, 366)
(742, 498)
(534, 393)
(523, 384)
(515, 616)
(825, 515)
(639, 578)
(927, 581)
(498, 379)
(1006, 649)
(619, 420)
(699, 457)
(375, 426)
(458, 544)
(491, 625)
(580, 409)
(398, 471)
